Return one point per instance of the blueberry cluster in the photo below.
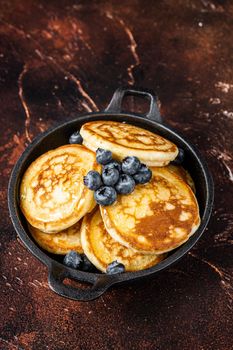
(81, 262)
(78, 261)
(116, 178)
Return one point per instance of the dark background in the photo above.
(59, 59)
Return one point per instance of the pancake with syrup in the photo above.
(101, 249)
(156, 217)
(61, 242)
(52, 194)
(128, 140)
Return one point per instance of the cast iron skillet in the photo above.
(58, 136)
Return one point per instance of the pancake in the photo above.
(156, 217)
(52, 194)
(184, 174)
(60, 242)
(128, 140)
(101, 249)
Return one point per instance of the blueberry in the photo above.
(110, 176)
(125, 184)
(179, 158)
(143, 176)
(92, 180)
(103, 156)
(115, 267)
(105, 195)
(76, 138)
(86, 264)
(72, 259)
(130, 165)
(113, 164)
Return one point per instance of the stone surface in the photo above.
(59, 59)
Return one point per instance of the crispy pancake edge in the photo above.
(53, 247)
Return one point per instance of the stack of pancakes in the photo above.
(138, 229)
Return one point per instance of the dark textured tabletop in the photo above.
(59, 59)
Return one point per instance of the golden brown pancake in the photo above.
(61, 242)
(101, 249)
(156, 217)
(128, 140)
(184, 174)
(52, 194)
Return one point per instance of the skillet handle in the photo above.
(115, 104)
(56, 278)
